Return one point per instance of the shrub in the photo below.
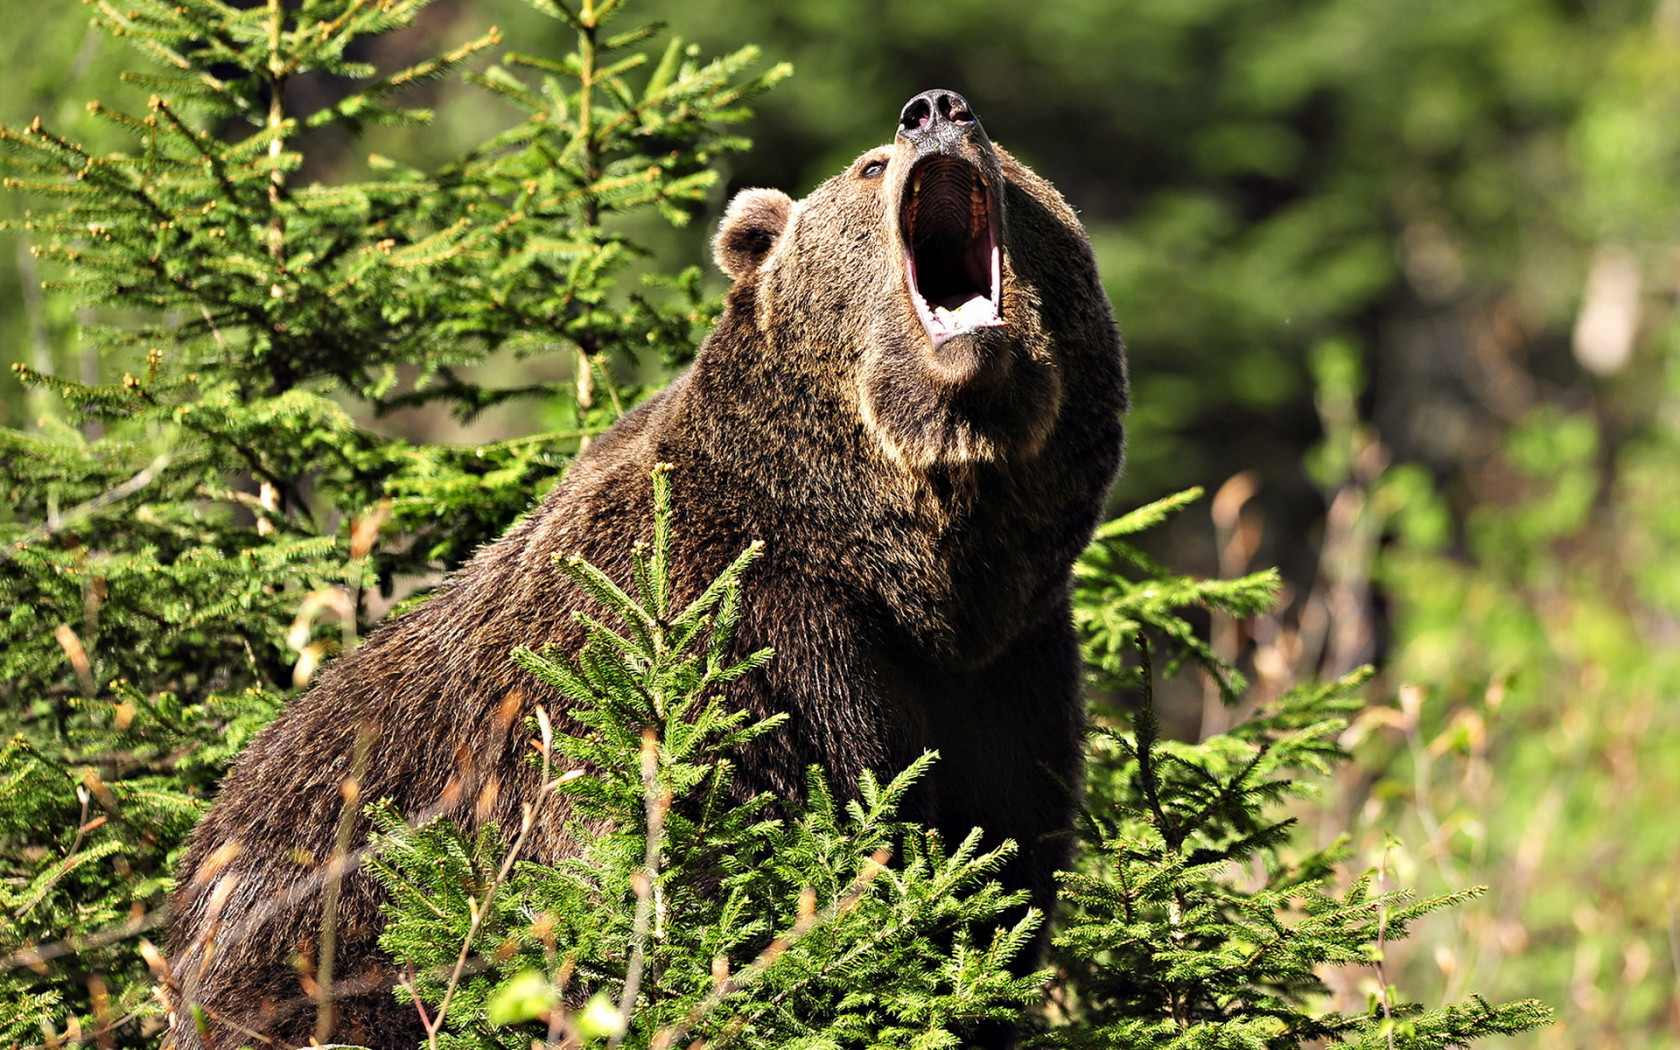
(189, 535)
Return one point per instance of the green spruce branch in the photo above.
(1197, 919)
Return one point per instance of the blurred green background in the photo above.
(1398, 282)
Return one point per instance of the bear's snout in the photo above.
(948, 216)
(938, 121)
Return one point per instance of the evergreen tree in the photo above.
(195, 531)
(684, 917)
(1196, 919)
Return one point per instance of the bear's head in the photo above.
(937, 285)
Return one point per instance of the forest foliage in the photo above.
(1397, 285)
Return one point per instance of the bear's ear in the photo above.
(750, 226)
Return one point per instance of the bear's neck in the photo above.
(961, 557)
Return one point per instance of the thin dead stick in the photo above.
(414, 993)
(351, 789)
(40, 955)
(68, 518)
(656, 803)
(527, 821)
(1382, 944)
(85, 796)
(255, 1036)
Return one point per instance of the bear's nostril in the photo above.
(955, 109)
(916, 114)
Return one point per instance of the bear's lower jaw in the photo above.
(976, 399)
(946, 321)
(973, 358)
(977, 312)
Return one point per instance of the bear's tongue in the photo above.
(951, 248)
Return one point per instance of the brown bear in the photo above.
(913, 398)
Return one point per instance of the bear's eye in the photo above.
(873, 169)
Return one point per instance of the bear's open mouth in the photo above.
(951, 252)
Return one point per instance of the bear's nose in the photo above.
(929, 112)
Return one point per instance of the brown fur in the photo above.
(921, 508)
